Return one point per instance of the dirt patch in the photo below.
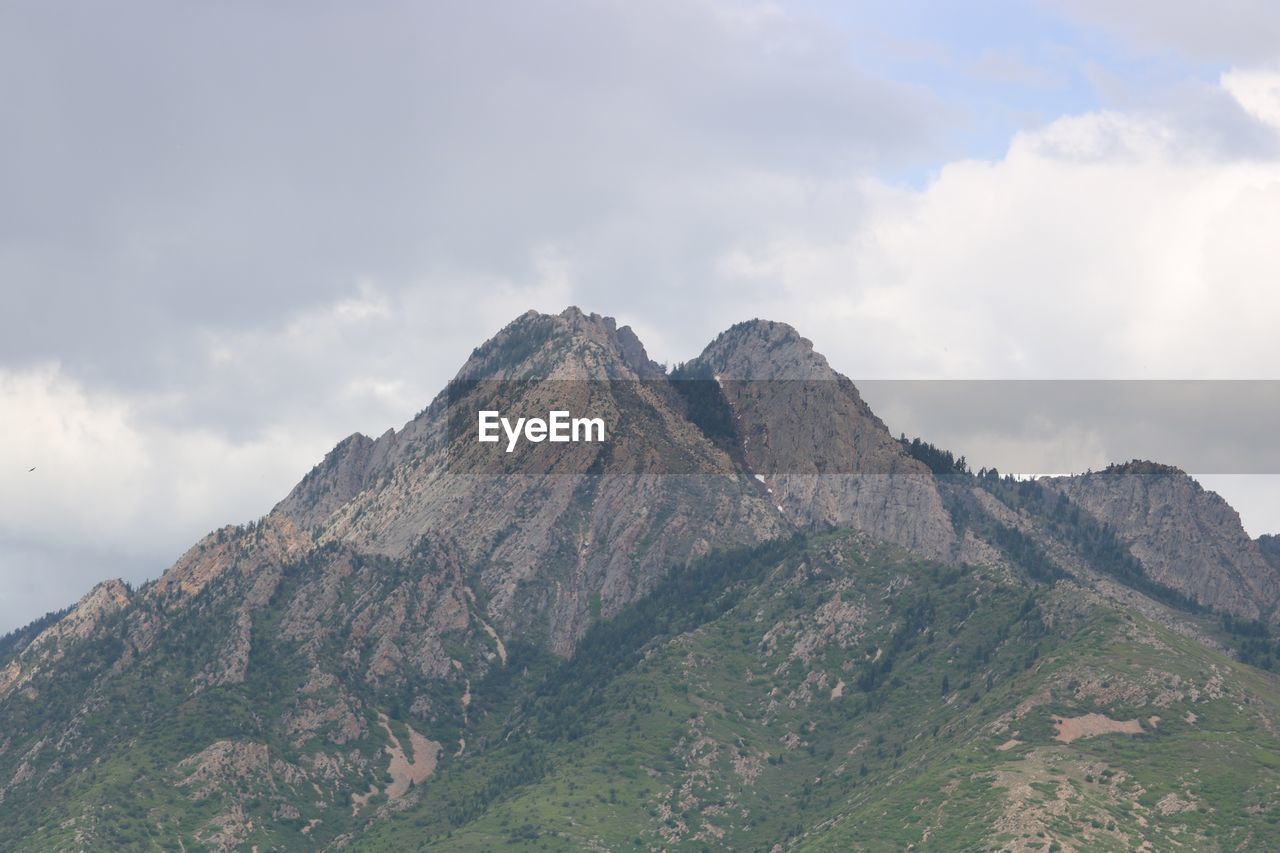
(1074, 728)
(748, 765)
(359, 801)
(493, 635)
(405, 771)
(1008, 745)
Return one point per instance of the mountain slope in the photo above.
(393, 578)
(851, 696)
(668, 636)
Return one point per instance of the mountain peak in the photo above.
(765, 349)
(568, 345)
(822, 454)
(1147, 468)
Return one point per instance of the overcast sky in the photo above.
(232, 233)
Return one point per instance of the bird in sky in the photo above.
(32, 468)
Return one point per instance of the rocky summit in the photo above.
(747, 618)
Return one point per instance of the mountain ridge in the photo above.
(414, 592)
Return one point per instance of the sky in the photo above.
(233, 233)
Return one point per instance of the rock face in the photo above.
(560, 538)
(342, 475)
(1186, 538)
(421, 553)
(823, 454)
(554, 534)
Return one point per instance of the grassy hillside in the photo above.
(860, 698)
(824, 693)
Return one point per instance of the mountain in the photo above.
(554, 538)
(1186, 537)
(749, 617)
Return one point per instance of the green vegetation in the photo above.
(852, 697)
(822, 692)
(1253, 641)
(1095, 543)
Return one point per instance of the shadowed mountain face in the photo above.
(826, 458)
(426, 609)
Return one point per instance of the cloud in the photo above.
(1258, 93)
(231, 234)
(1062, 426)
(365, 361)
(113, 491)
(222, 167)
(1103, 245)
(1230, 31)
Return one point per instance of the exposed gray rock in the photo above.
(559, 536)
(1186, 537)
(822, 454)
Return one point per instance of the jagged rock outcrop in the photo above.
(822, 453)
(559, 538)
(342, 475)
(1186, 537)
(79, 623)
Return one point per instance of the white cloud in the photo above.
(126, 481)
(114, 491)
(1111, 244)
(1103, 245)
(1257, 91)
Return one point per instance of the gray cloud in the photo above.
(232, 233)
(1232, 31)
(225, 166)
(1026, 427)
